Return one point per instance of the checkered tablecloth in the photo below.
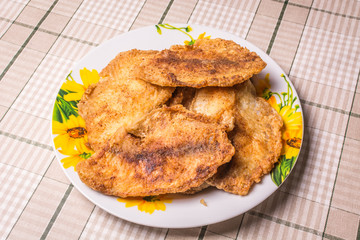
(316, 42)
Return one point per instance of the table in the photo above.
(316, 42)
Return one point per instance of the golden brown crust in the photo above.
(209, 62)
(125, 63)
(183, 96)
(119, 100)
(169, 151)
(216, 102)
(257, 140)
(194, 190)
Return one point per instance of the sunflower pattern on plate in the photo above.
(292, 132)
(146, 204)
(67, 126)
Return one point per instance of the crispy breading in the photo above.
(183, 96)
(197, 189)
(119, 100)
(257, 140)
(209, 62)
(125, 63)
(216, 102)
(171, 150)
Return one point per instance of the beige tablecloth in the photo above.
(316, 42)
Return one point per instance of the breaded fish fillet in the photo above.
(216, 102)
(257, 140)
(197, 189)
(209, 62)
(171, 150)
(119, 100)
(183, 96)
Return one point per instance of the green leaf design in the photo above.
(191, 43)
(276, 175)
(158, 29)
(64, 109)
(68, 108)
(184, 30)
(293, 160)
(85, 155)
(62, 92)
(74, 105)
(151, 198)
(282, 169)
(56, 113)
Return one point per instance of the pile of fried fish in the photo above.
(178, 121)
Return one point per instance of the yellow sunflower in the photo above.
(71, 133)
(292, 119)
(146, 204)
(201, 36)
(292, 131)
(77, 90)
(273, 103)
(76, 155)
(291, 146)
(292, 122)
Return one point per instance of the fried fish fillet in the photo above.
(183, 96)
(257, 140)
(197, 189)
(216, 102)
(119, 99)
(209, 62)
(169, 151)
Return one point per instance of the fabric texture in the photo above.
(316, 42)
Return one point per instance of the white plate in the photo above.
(186, 211)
